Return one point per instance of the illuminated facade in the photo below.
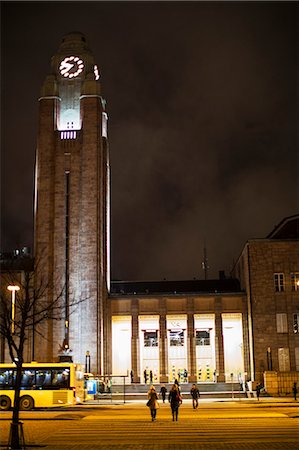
(230, 329)
(72, 203)
(268, 270)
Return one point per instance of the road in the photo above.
(215, 425)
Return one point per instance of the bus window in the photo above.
(61, 378)
(6, 379)
(43, 378)
(28, 378)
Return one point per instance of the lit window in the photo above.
(296, 323)
(176, 338)
(295, 281)
(282, 323)
(202, 337)
(150, 338)
(279, 282)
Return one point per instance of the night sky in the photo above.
(201, 99)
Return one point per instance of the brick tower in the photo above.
(72, 206)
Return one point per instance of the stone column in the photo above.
(219, 342)
(163, 343)
(191, 349)
(135, 342)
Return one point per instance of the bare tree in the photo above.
(32, 307)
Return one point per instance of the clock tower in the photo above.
(72, 207)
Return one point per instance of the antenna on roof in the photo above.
(204, 263)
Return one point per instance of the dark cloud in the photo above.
(201, 99)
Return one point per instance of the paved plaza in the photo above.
(219, 425)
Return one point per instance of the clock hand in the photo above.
(65, 67)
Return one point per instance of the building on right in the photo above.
(268, 271)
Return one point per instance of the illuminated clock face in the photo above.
(71, 66)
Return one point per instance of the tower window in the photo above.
(296, 323)
(279, 282)
(68, 135)
(295, 281)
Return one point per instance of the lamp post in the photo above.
(13, 289)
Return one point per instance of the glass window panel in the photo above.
(202, 337)
(282, 323)
(43, 378)
(6, 378)
(176, 338)
(61, 378)
(150, 339)
(28, 378)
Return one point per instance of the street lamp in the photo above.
(13, 289)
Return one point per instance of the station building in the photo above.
(231, 329)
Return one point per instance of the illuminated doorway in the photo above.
(149, 348)
(204, 325)
(177, 347)
(121, 345)
(233, 346)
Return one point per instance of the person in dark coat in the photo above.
(151, 376)
(145, 376)
(258, 390)
(163, 391)
(175, 401)
(195, 396)
(295, 391)
(152, 402)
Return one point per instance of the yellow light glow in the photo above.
(13, 289)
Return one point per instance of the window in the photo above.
(60, 378)
(295, 281)
(279, 282)
(43, 378)
(28, 378)
(284, 359)
(176, 338)
(150, 338)
(296, 323)
(282, 323)
(202, 337)
(6, 379)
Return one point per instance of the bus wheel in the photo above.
(26, 403)
(5, 403)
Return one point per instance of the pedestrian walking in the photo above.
(132, 376)
(152, 402)
(295, 390)
(177, 383)
(258, 390)
(151, 376)
(195, 396)
(185, 376)
(163, 391)
(145, 376)
(175, 400)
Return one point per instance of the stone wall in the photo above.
(280, 383)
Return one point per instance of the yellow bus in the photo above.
(43, 385)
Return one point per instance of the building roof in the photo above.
(288, 228)
(175, 287)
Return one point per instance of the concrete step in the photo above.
(185, 387)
